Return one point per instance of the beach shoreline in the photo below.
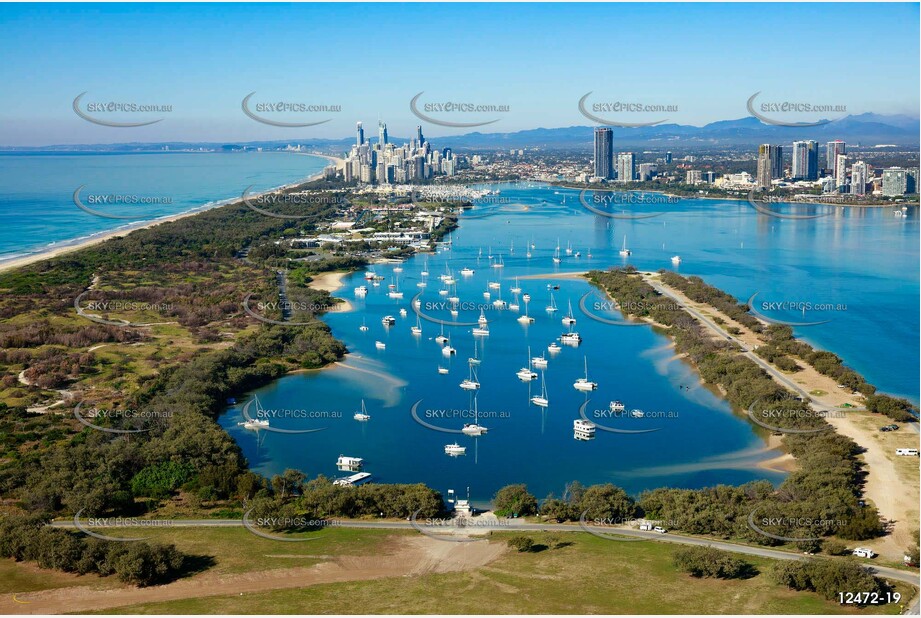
(70, 246)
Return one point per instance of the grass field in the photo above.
(587, 575)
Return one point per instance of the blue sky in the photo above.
(372, 59)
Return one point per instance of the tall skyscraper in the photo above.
(806, 160)
(859, 177)
(668, 156)
(419, 139)
(626, 167)
(604, 152)
(832, 150)
(895, 181)
(841, 173)
(770, 164)
(360, 137)
(381, 133)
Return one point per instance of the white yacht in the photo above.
(472, 382)
(571, 338)
(487, 295)
(568, 248)
(569, 320)
(539, 361)
(361, 290)
(500, 304)
(474, 428)
(551, 308)
(455, 449)
(402, 312)
(441, 338)
(526, 298)
(541, 400)
(363, 415)
(467, 272)
(498, 263)
(617, 406)
(637, 413)
(517, 288)
(417, 329)
(526, 374)
(388, 320)
(364, 327)
(442, 370)
(481, 330)
(380, 345)
(624, 251)
(494, 285)
(448, 351)
(584, 427)
(676, 259)
(584, 384)
(554, 348)
(398, 269)
(350, 463)
(255, 423)
(482, 321)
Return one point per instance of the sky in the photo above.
(372, 59)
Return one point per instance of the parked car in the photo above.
(660, 530)
(908, 452)
(863, 552)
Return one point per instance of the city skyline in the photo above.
(206, 103)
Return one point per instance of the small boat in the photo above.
(363, 415)
(361, 290)
(467, 272)
(584, 384)
(364, 327)
(637, 413)
(481, 331)
(676, 259)
(541, 400)
(624, 251)
(417, 329)
(514, 306)
(517, 288)
(443, 292)
(569, 320)
(441, 338)
(551, 308)
(617, 406)
(494, 285)
(539, 361)
(474, 428)
(571, 338)
(442, 370)
(395, 294)
(475, 359)
(500, 304)
(553, 348)
(472, 382)
(455, 449)
(498, 263)
(568, 248)
(584, 427)
(525, 319)
(421, 284)
(255, 423)
(487, 295)
(380, 345)
(454, 313)
(448, 351)
(578, 254)
(525, 374)
(388, 320)
(349, 463)
(398, 269)
(526, 298)
(482, 321)
(370, 275)
(402, 313)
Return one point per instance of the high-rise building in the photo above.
(420, 140)
(381, 133)
(859, 177)
(895, 181)
(693, 177)
(604, 153)
(626, 167)
(841, 173)
(710, 177)
(646, 171)
(770, 164)
(668, 156)
(360, 137)
(832, 150)
(806, 160)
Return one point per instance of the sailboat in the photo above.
(425, 268)
(441, 338)
(517, 288)
(255, 423)
(363, 415)
(526, 319)
(541, 400)
(364, 327)
(584, 384)
(551, 308)
(498, 263)
(475, 359)
(395, 290)
(568, 248)
(556, 256)
(525, 374)
(417, 329)
(569, 320)
(474, 428)
(624, 251)
(472, 382)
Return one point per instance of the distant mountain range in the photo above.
(864, 129)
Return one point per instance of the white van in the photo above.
(910, 452)
(863, 552)
(645, 526)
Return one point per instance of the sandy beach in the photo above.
(332, 282)
(70, 247)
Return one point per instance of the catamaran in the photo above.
(255, 423)
(448, 351)
(441, 338)
(526, 319)
(569, 320)
(363, 415)
(624, 251)
(388, 320)
(472, 382)
(584, 384)
(525, 374)
(474, 428)
(541, 400)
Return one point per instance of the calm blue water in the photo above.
(36, 189)
(862, 262)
